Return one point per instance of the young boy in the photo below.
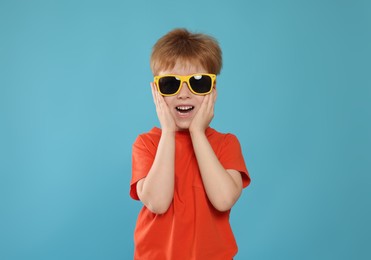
(187, 175)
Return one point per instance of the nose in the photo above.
(184, 91)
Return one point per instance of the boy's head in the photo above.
(188, 48)
(179, 59)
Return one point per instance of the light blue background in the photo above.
(74, 94)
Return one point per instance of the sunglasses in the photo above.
(199, 84)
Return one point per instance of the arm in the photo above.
(157, 188)
(223, 186)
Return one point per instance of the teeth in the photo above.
(184, 108)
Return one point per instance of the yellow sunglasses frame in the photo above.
(186, 80)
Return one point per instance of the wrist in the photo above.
(197, 132)
(168, 132)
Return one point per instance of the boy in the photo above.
(187, 175)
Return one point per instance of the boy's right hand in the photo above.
(163, 113)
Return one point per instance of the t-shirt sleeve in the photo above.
(231, 157)
(143, 154)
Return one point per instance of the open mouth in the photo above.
(184, 109)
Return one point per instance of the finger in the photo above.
(215, 94)
(205, 102)
(155, 95)
(153, 92)
(210, 103)
(160, 99)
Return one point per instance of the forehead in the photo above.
(184, 68)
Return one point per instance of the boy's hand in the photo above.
(166, 120)
(205, 114)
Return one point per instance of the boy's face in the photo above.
(183, 106)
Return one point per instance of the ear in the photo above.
(214, 84)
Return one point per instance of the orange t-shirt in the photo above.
(191, 229)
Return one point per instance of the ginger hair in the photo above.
(190, 48)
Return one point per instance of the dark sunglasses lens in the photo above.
(201, 83)
(168, 85)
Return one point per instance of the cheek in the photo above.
(200, 99)
(168, 101)
(198, 103)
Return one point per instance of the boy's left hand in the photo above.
(205, 114)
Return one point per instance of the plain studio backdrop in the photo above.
(74, 94)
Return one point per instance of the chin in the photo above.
(182, 126)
